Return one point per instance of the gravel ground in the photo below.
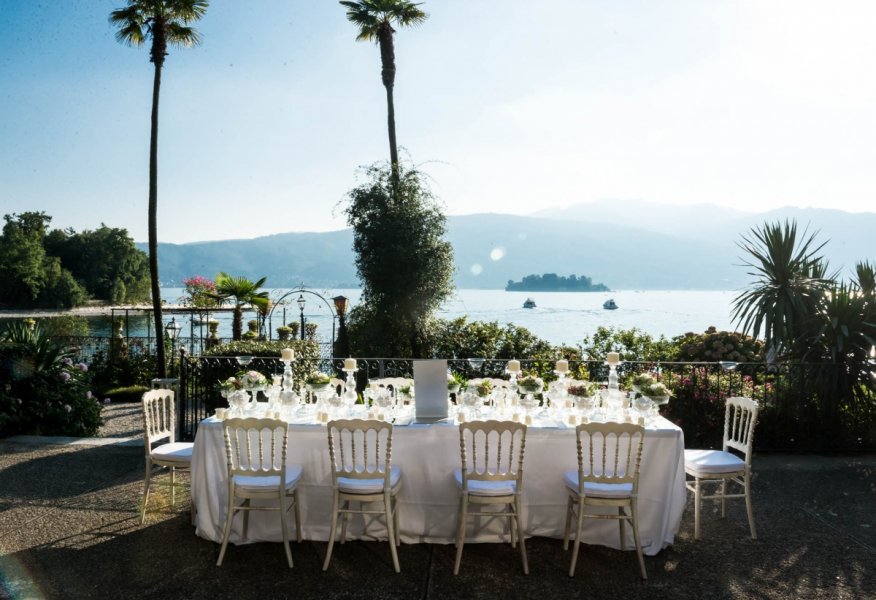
(69, 528)
(122, 420)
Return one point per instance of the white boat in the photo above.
(530, 303)
(609, 304)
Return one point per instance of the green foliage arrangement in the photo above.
(463, 338)
(404, 263)
(633, 345)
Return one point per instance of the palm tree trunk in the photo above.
(387, 60)
(237, 322)
(153, 226)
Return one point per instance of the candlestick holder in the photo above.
(349, 389)
(612, 375)
(288, 396)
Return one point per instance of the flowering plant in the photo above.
(200, 293)
(530, 384)
(642, 380)
(656, 390)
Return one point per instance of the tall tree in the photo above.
(244, 292)
(375, 19)
(404, 263)
(164, 22)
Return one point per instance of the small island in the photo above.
(551, 282)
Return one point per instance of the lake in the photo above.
(559, 317)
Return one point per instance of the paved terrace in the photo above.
(69, 528)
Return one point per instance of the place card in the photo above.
(573, 420)
(460, 417)
(515, 417)
(529, 419)
(221, 413)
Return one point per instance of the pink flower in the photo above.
(83, 367)
(65, 376)
(68, 361)
(68, 408)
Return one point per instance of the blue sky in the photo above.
(510, 106)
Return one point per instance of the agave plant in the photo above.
(788, 290)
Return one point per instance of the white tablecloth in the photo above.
(429, 499)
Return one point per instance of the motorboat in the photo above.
(609, 304)
(529, 303)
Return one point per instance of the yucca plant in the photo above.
(788, 289)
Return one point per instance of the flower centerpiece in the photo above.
(317, 382)
(229, 386)
(253, 381)
(585, 389)
(453, 383)
(405, 393)
(642, 380)
(657, 392)
(530, 384)
(484, 388)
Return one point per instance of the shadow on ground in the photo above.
(814, 515)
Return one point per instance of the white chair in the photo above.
(258, 470)
(361, 460)
(608, 476)
(159, 422)
(491, 474)
(721, 466)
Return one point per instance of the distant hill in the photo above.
(637, 246)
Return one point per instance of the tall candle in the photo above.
(562, 366)
(513, 366)
(613, 358)
(350, 364)
(287, 354)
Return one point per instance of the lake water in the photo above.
(559, 317)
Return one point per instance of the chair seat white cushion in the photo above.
(477, 487)
(712, 462)
(174, 452)
(265, 483)
(598, 490)
(350, 485)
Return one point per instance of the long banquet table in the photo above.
(429, 499)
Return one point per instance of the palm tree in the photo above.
(375, 19)
(163, 22)
(244, 292)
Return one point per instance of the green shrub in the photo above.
(714, 346)
(130, 393)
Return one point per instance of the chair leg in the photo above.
(297, 516)
(460, 532)
(285, 527)
(568, 523)
(697, 508)
(247, 504)
(723, 499)
(229, 515)
(344, 518)
(521, 534)
(396, 521)
(333, 531)
(622, 525)
(634, 512)
(146, 491)
(513, 525)
(577, 538)
(387, 505)
(173, 486)
(748, 506)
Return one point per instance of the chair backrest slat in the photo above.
(370, 449)
(614, 453)
(740, 417)
(256, 447)
(495, 450)
(159, 418)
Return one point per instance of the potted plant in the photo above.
(530, 384)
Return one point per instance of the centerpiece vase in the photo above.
(349, 395)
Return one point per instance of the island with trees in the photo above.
(551, 282)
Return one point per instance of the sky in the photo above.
(510, 106)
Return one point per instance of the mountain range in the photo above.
(625, 244)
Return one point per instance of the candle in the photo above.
(573, 420)
(513, 366)
(515, 417)
(461, 417)
(529, 419)
(287, 354)
(350, 364)
(613, 358)
(562, 366)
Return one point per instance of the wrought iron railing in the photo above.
(800, 409)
